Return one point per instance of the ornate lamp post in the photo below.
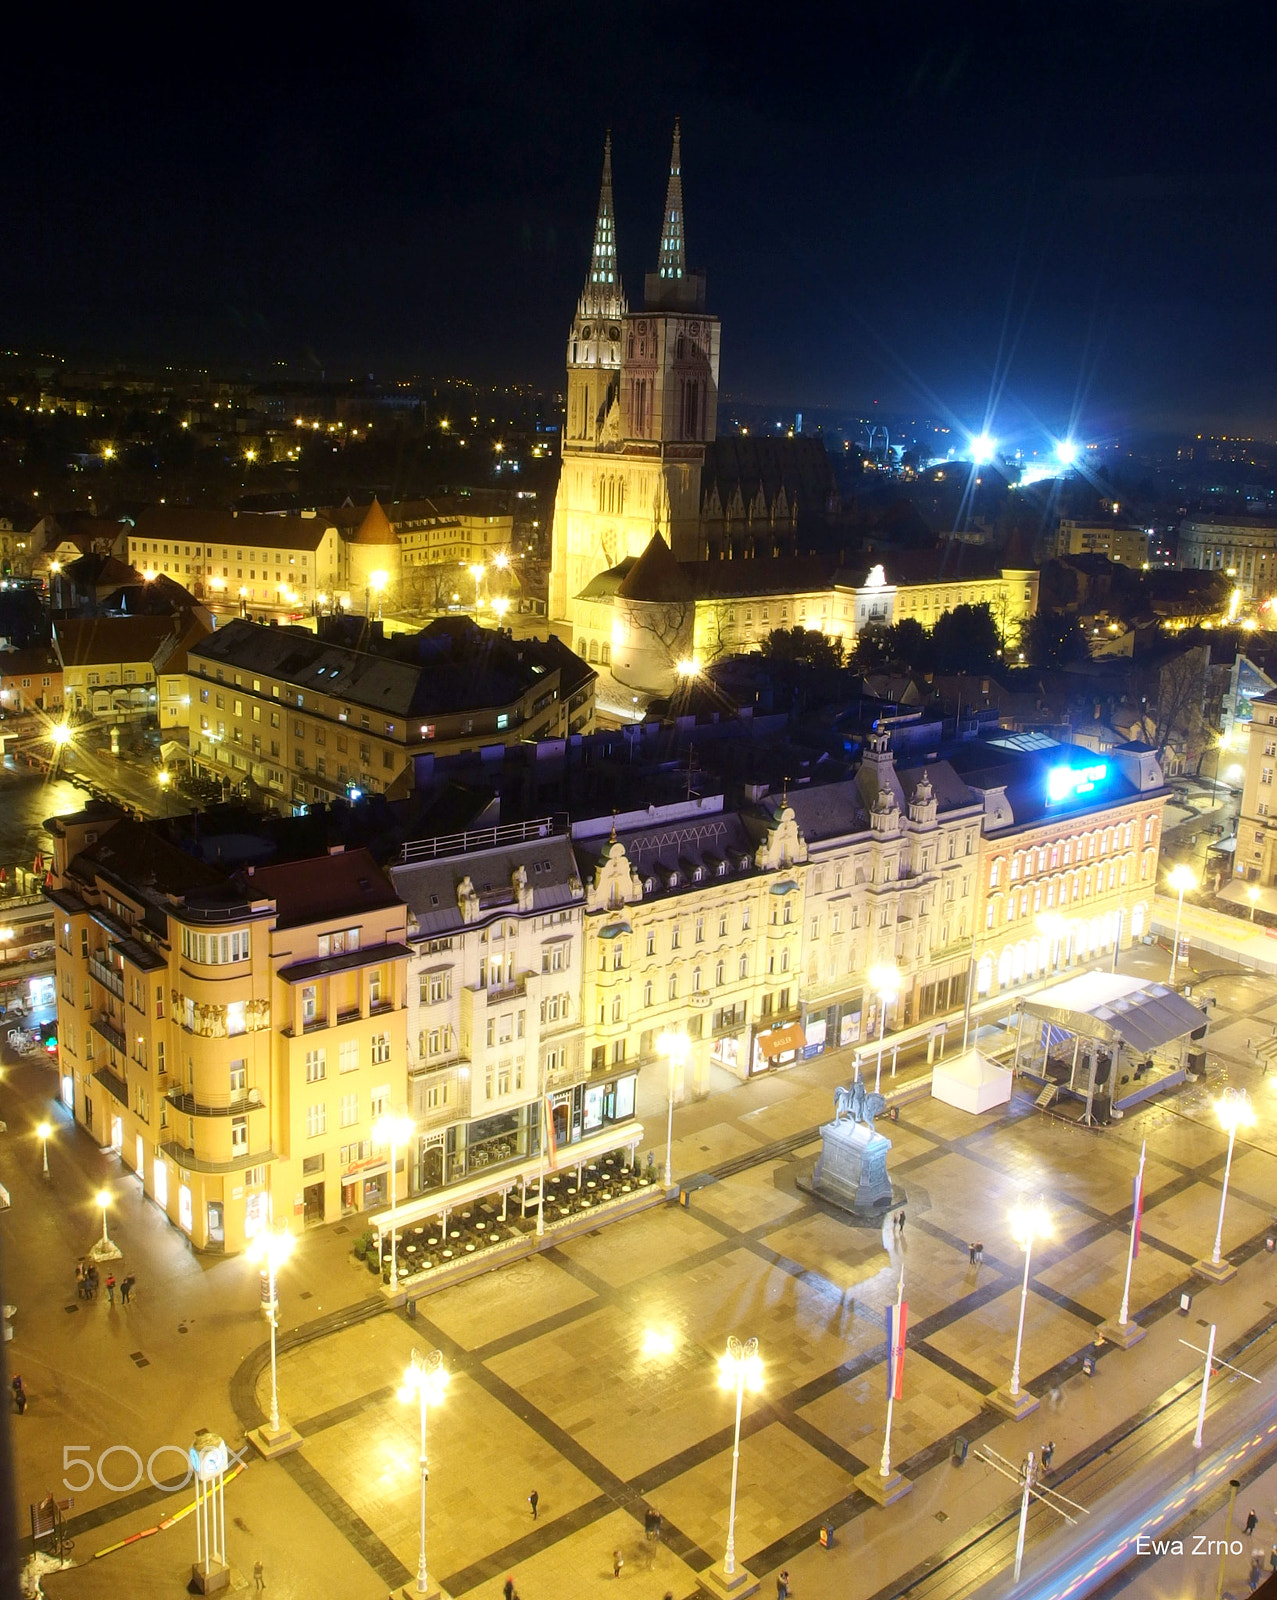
(674, 1045)
(1028, 1222)
(394, 1129)
(271, 1249)
(425, 1381)
(1234, 1110)
(885, 982)
(740, 1368)
(1181, 879)
(42, 1133)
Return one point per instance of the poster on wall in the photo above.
(849, 1030)
(815, 1031)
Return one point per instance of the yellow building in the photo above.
(111, 665)
(1256, 857)
(234, 1047)
(277, 563)
(305, 719)
(693, 921)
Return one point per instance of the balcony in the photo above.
(112, 1082)
(191, 1107)
(107, 976)
(106, 1029)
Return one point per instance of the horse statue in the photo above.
(854, 1102)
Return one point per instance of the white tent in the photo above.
(971, 1082)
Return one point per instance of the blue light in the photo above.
(1066, 783)
(1066, 453)
(983, 446)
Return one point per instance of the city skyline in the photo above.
(1023, 227)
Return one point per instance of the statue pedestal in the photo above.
(851, 1169)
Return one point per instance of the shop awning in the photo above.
(594, 1145)
(781, 1040)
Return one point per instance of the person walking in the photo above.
(91, 1282)
(971, 1253)
(533, 1498)
(902, 1224)
(618, 1561)
(259, 1577)
(81, 1279)
(1252, 1521)
(126, 1288)
(19, 1394)
(979, 1255)
(782, 1585)
(1272, 1560)
(110, 1287)
(1048, 1454)
(507, 1589)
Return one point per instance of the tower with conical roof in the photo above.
(641, 406)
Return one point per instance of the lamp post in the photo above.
(42, 1133)
(673, 1044)
(1181, 879)
(740, 1368)
(1234, 1110)
(164, 778)
(271, 1249)
(1029, 1221)
(394, 1129)
(1124, 1332)
(424, 1381)
(476, 572)
(377, 582)
(884, 980)
(60, 735)
(104, 1250)
(1252, 894)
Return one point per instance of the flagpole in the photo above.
(884, 1470)
(1136, 1209)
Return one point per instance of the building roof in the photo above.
(36, 658)
(450, 666)
(139, 858)
(325, 888)
(749, 465)
(110, 641)
(375, 527)
(250, 528)
(430, 887)
(678, 847)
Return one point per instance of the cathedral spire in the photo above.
(673, 262)
(603, 296)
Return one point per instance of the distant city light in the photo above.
(983, 446)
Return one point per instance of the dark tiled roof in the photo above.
(324, 888)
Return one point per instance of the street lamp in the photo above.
(1234, 1110)
(884, 980)
(104, 1250)
(500, 605)
(1252, 894)
(740, 1368)
(425, 1380)
(1029, 1221)
(377, 582)
(476, 572)
(164, 778)
(394, 1129)
(674, 1045)
(1181, 878)
(42, 1133)
(271, 1249)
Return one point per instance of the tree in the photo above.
(966, 639)
(1054, 640)
(1172, 693)
(910, 645)
(803, 644)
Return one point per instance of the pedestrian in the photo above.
(902, 1222)
(1256, 1573)
(979, 1255)
(1048, 1453)
(19, 1394)
(971, 1253)
(126, 1288)
(618, 1561)
(259, 1577)
(507, 1589)
(782, 1585)
(1272, 1560)
(1252, 1521)
(91, 1282)
(110, 1287)
(532, 1501)
(81, 1279)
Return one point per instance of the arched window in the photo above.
(984, 974)
(605, 656)
(1137, 921)
(594, 650)
(647, 993)
(1004, 968)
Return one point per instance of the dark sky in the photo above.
(1070, 207)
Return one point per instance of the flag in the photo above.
(897, 1322)
(551, 1142)
(1139, 1211)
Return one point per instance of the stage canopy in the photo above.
(971, 1082)
(1118, 1009)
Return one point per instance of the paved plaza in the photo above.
(557, 1385)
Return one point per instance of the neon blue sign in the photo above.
(1066, 783)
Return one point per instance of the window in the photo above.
(651, 942)
(310, 1003)
(316, 1065)
(316, 1119)
(239, 1136)
(235, 1018)
(349, 1110)
(676, 936)
(673, 986)
(239, 1077)
(380, 1048)
(700, 930)
(348, 1056)
(436, 987)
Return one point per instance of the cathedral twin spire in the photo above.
(603, 295)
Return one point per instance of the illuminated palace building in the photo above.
(673, 544)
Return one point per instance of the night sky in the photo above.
(1071, 207)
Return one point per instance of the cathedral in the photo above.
(660, 527)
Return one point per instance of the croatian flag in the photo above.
(551, 1143)
(1139, 1210)
(897, 1322)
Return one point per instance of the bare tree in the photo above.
(1172, 694)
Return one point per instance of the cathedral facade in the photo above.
(642, 406)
